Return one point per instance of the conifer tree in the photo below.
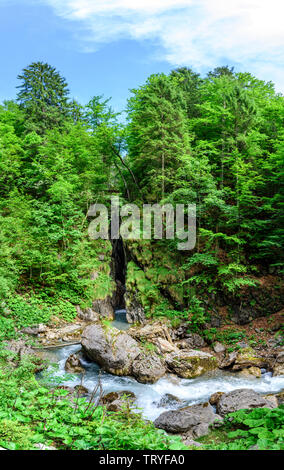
(43, 95)
(157, 134)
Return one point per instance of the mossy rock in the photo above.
(191, 364)
(247, 357)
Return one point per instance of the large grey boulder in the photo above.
(241, 399)
(147, 368)
(35, 330)
(228, 360)
(190, 364)
(112, 349)
(192, 420)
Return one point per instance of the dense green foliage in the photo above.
(32, 414)
(218, 143)
(214, 141)
(261, 429)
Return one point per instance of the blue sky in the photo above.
(109, 46)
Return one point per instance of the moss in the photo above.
(247, 355)
(193, 366)
(152, 270)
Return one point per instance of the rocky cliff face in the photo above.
(142, 276)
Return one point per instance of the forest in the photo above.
(214, 141)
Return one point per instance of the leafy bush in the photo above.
(19, 312)
(14, 436)
(261, 428)
(162, 310)
(229, 336)
(198, 316)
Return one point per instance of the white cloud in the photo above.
(199, 33)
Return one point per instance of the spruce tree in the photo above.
(157, 134)
(43, 95)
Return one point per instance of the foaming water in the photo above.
(190, 391)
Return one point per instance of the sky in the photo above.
(107, 47)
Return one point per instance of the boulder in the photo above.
(112, 396)
(195, 341)
(180, 332)
(81, 391)
(73, 365)
(272, 399)
(112, 349)
(190, 364)
(278, 369)
(134, 311)
(150, 332)
(191, 341)
(35, 330)
(116, 401)
(190, 442)
(241, 399)
(192, 420)
(251, 372)
(228, 360)
(247, 357)
(68, 332)
(148, 368)
(164, 346)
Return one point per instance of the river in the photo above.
(190, 391)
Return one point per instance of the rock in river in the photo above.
(148, 368)
(191, 364)
(73, 365)
(192, 420)
(116, 401)
(112, 349)
(241, 399)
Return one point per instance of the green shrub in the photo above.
(14, 436)
(261, 428)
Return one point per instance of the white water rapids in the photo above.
(191, 391)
